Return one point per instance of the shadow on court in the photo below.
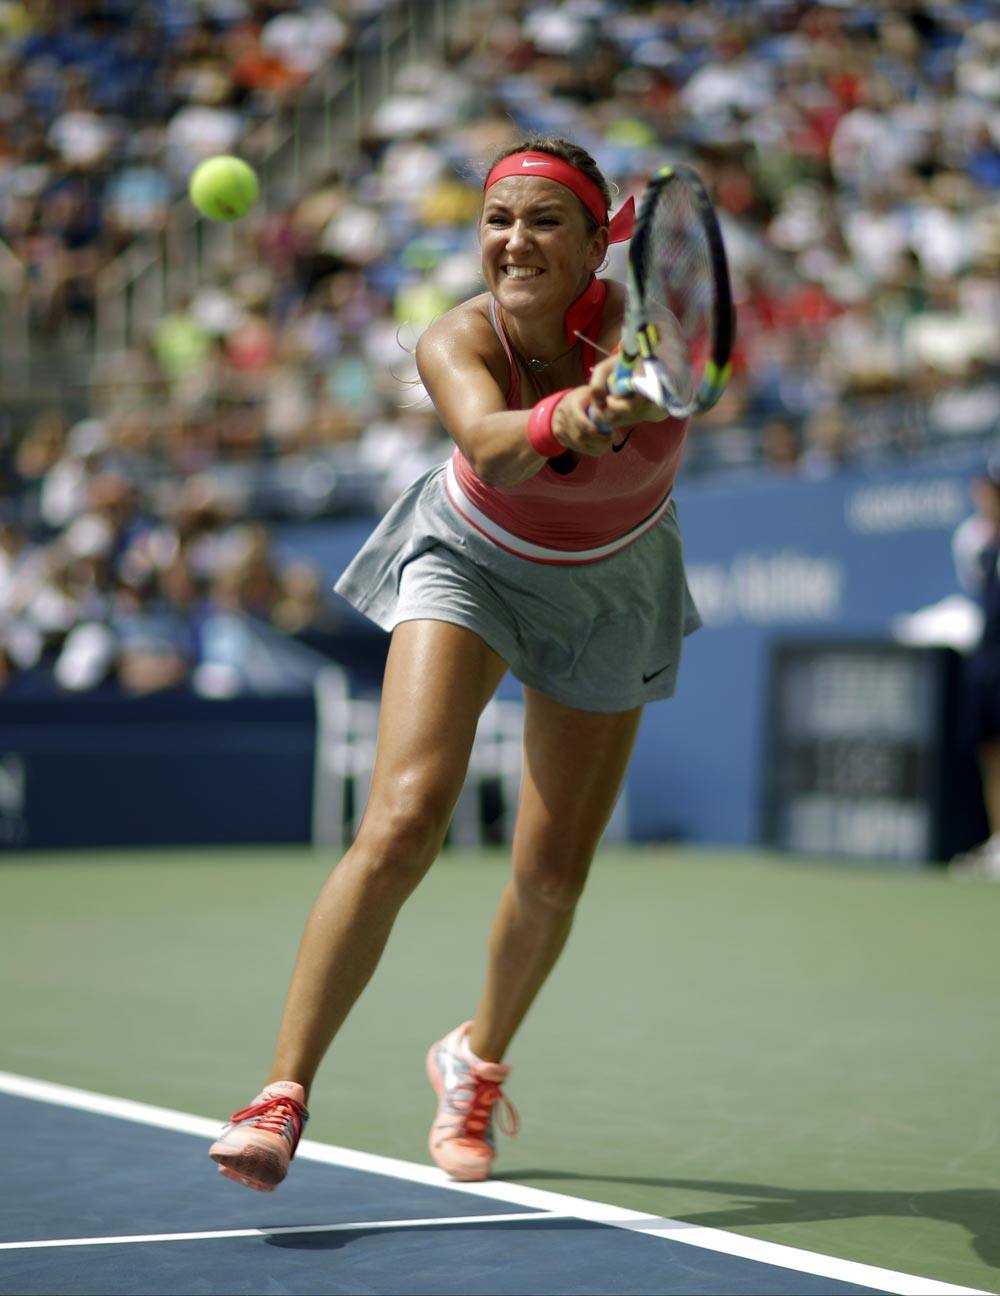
(334, 1241)
(975, 1209)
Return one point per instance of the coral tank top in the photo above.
(600, 507)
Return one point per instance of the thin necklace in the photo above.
(532, 362)
(538, 366)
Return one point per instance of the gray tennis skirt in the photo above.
(600, 636)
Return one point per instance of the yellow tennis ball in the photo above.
(223, 188)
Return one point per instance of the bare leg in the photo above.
(438, 679)
(989, 768)
(575, 762)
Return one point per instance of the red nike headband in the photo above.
(548, 167)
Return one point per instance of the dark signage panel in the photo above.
(865, 758)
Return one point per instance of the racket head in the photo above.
(678, 326)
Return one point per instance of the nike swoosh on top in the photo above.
(525, 162)
(647, 678)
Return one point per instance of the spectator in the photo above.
(304, 40)
(82, 137)
(976, 548)
(299, 605)
(138, 196)
(155, 650)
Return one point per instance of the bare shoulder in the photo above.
(464, 334)
(463, 367)
(462, 341)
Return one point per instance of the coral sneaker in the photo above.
(468, 1089)
(258, 1143)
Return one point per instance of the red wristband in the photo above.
(540, 425)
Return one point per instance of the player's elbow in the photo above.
(496, 469)
(493, 463)
(491, 470)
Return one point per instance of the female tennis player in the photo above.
(573, 580)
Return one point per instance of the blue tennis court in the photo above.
(108, 1196)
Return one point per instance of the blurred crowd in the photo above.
(137, 591)
(853, 150)
(106, 106)
(120, 565)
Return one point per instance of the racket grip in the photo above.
(601, 427)
(567, 461)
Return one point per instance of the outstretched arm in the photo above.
(472, 407)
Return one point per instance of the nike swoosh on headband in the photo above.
(550, 167)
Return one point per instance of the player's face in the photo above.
(537, 251)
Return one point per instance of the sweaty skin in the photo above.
(537, 256)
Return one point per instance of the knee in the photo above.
(401, 836)
(556, 882)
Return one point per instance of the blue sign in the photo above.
(771, 561)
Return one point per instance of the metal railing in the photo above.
(31, 372)
(13, 306)
(326, 118)
(328, 113)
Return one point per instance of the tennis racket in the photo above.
(677, 333)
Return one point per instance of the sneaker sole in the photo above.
(247, 1183)
(255, 1167)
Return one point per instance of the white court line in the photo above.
(362, 1226)
(736, 1244)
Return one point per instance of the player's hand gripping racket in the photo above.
(677, 332)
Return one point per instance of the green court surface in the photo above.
(805, 1053)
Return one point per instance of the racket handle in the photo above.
(601, 427)
(567, 461)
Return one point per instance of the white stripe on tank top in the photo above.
(522, 548)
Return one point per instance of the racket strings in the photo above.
(679, 287)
